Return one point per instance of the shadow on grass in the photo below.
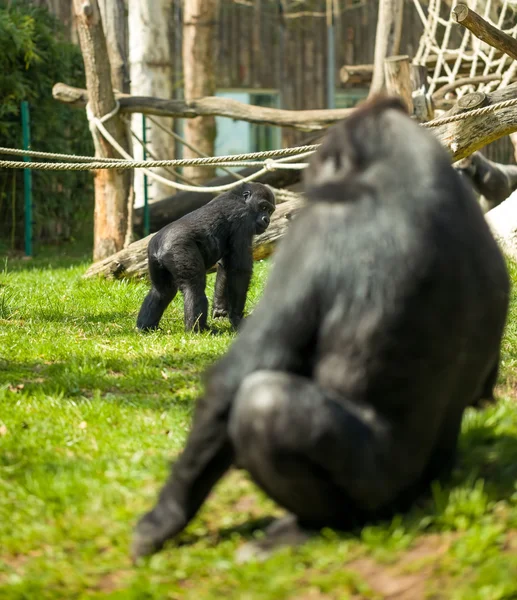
(147, 382)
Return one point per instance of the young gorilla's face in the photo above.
(262, 201)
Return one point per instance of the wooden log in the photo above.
(132, 261)
(304, 120)
(387, 39)
(356, 73)
(465, 137)
(173, 207)
(398, 79)
(483, 30)
(111, 186)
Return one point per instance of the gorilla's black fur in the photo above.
(181, 253)
(381, 322)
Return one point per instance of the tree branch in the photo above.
(305, 120)
(486, 32)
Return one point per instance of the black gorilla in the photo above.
(181, 253)
(381, 322)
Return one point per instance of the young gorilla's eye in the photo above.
(246, 195)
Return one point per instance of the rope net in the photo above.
(456, 53)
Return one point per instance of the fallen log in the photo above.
(132, 261)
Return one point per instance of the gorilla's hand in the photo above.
(154, 529)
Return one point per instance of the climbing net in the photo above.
(451, 52)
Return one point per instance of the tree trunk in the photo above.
(111, 186)
(199, 31)
(63, 10)
(114, 23)
(151, 61)
(387, 39)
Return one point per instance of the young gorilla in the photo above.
(181, 253)
(381, 322)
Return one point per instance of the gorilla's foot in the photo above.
(219, 313)
(282, 532)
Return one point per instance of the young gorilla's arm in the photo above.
(238, 266)
(220, 301)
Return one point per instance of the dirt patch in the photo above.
(401, 581)
(112, 582)
(506, 390)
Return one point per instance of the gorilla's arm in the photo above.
(220, 301)
(284, 336)
(238, 267)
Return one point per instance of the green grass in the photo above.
(92, 412)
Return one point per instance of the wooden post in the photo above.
(463, 15)
(423, 105)
(199, 18)
(398, 79)
(111, 187)
(387, 39)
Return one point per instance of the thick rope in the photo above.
(184, 142)
(485, 110)
(238, 160)
(180, 162)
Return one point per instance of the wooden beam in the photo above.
(486, 32)
(305, 120)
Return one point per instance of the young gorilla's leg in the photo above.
(195, 303)
(163, 290)
(220, 302)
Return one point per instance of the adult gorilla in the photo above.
(381, 322)
(180, 254)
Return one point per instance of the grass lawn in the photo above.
(92, 412)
